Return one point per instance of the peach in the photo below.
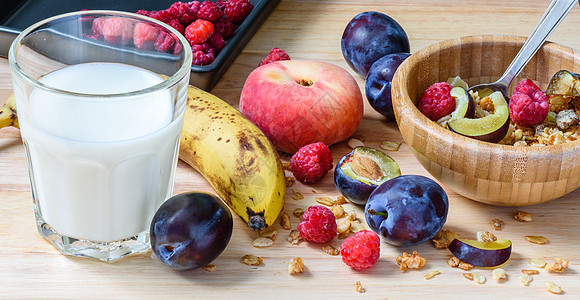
(296, 103)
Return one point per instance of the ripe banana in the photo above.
(8, 115)
(234, 156)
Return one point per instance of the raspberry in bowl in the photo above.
(487, 172)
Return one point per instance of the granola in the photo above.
(298, 212)
(530, 272)
(358, 287)
(290, 181)
(553, 288)
(328, 249)
(324, 200)
(285, 221)
(432, 274)
(269, 232)
(297, 195)
(356, 226)
(522, 216)
(537, 263)
(296, 266)
(498, 274)
(338, 211)
(251, 260)
(210, 268)
(413, 261)
(262, 242)
(442, 239)
(486, 236)
(353, 143)
(525, 279)
(390, 146)
(536, 239)
(343, 229)
(558, 266)
(294, 237)
(496, 224)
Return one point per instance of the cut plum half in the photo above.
(564, 83)
(464, 107)
(491, 128)
(481, 254)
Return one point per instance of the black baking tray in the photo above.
(15, 16)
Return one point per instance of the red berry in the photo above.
(115, 30)
(361, 250)
(318, 224)
(238, 10)
(161, 15)
(199, 31)
(145, 35)
(528, 105)
(225, 28)
(311, 162)
(209, 11)
(217, 42)
(437, 102)
(164, 42)
(276, 54)
(177, 25)
(189, 12)
(221, 4)
(143, 12)
(203, 54)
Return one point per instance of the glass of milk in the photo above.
(100, 97)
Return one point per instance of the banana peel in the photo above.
(228, 150)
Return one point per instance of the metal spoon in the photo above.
(553, 16)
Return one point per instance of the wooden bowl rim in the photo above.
(404, 107)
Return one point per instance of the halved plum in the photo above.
(464, 107)
(491, 128)
(564, 83)
(481, 254)
(358, 173)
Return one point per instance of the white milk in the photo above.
(100, 166)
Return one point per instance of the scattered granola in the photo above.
(358, 287)
(338, 211)
(468, 276)
(553, 288)
(328, 249)
(525, 279)
(442, 239)
(498, 274)
(353, 143)
(558, 266)
(486, 236)
(432, 274)
(343, 229)
(522, 216)
(210, 268)
(465, 266)
(286, 165)
(297, 195)
(324, 200)
(496, 224)
(390, 146)
(251, 260)
(352, 215)
(296, 266)
(537, 239)
(340, 200)
(269, 232)
(289, 181)
(356, 226)
(285, 221)
(453, 262)
(479, 278)
(298, 212)
(538, 263)
(262, 242)
(530, 272)
(413, 261)
(294, 237)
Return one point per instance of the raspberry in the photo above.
(143, 12)
(225, 28)
(276, 54)
(361, 250)
(311, 162)
(203, 54)
(164, 42)
(209, 11)
(238, 10)
(318, 224)
(161, 15)
(437, 102)
(145, 35)
(528, 105)
(221, 4)
(189, 13)
(115, 30)
(177, 25)
(217, 42)
(523, 85)
(199, 31)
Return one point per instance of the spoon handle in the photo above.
(555, 13)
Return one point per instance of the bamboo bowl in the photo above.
(485, 172)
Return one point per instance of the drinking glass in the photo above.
(100, 97)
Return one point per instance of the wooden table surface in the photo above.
(30, 267)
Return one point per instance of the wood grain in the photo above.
(32, 268)
(489, 173)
